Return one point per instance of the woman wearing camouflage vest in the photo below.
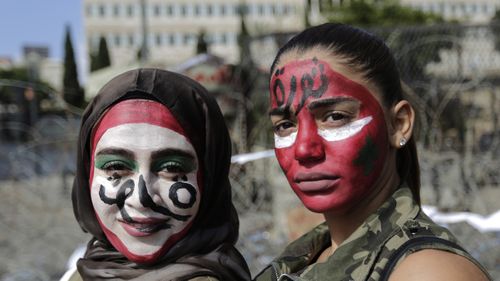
(343, 137)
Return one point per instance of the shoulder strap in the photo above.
(417, 241)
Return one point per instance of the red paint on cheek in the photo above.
(345, 170)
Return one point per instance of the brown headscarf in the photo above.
(208, 247)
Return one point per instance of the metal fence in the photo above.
(451, 74)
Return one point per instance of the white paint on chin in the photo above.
(346, 131)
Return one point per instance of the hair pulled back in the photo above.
(370, 56)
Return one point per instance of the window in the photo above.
(117, 40)
(222, 10)
(197, 10)
(210, 10)
(102, 10)
(171, 39)
(116, 10)
(89, 10)
(286, 10)
(170, 10)
(157, 10)
(474, 8)
(186, 39)
(261, 10)
(183, 10)
(158, 39)
(273, 10)
(130, 10)
(131, 40)
(223, 38)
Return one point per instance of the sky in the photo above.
(40, 22)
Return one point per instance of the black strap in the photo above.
(417, 241)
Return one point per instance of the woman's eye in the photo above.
(173, 167)
(284, 128)
(116, 169)
(115, 166)
(337, 119)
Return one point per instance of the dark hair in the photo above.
(368, 54)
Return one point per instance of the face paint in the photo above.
(346, 131)
(330, 134)
(145, 182)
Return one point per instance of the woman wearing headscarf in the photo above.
(152, 184)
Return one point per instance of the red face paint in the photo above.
(327, 175)
(143, 231)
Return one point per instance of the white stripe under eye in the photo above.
(344, 132)
(282, 142)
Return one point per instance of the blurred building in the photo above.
(6, 62)
(40, 66)
(172, 26)
(476, 11)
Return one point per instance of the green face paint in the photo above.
(115, 162)
(367, 156)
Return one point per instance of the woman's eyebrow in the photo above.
(283, 111)
(172, 151)
(330, 101)
(116, 151)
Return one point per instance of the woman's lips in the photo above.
(141, 227)
(315, 182)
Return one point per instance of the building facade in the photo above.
(171, 27)
(470, 11)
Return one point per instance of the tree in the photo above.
(72, 92)
(101, 59)
(201, 44)
(495, 29)
(367, 13)
(403, 25)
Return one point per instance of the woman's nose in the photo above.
(139, 200)
(308, 144)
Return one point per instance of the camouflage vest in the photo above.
(397, 229)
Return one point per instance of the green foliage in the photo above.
(495, 29)
(378, 13)
(244, 39)
(72, 92)
(101, 59)
(400, 26)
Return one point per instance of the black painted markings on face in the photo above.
(127, 188)
(307, 81)
(147, 201)
(174, 196)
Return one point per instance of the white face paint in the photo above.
(286, 141)
(145, 187)
(344, 132)
(333, 134)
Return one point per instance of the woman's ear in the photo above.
(402, 120)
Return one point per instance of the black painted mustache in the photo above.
(127, 188)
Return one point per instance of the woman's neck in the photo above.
(342, 225)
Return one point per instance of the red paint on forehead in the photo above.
(132, 111)
(298, 82)
(135, 111)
